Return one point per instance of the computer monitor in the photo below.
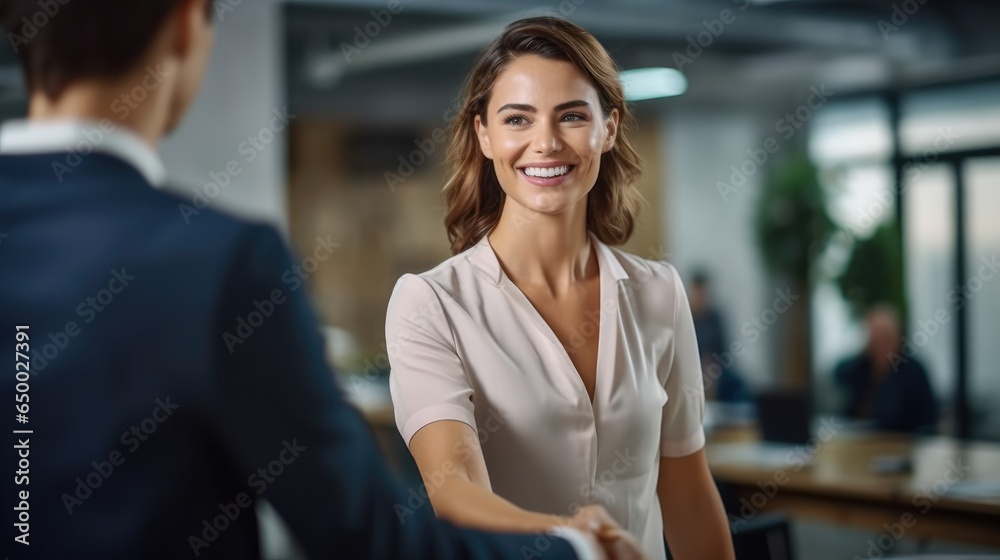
(784, 416)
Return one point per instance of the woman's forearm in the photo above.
(701, 531)
(467, 504)
(694, 520)
(454, 471)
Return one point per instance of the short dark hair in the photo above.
(62, 41)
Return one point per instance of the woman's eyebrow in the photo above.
(531, 108)
(517, 107)
(571, 104)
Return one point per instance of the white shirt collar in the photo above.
(20, 137)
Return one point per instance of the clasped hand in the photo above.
(608, 535)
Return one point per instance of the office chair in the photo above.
(764, 537)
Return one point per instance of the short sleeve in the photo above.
(427, 380)
(681, 431)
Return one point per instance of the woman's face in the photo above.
(545, 133)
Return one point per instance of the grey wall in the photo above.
(712, 234)
(245, 84)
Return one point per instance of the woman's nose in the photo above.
(546, 140)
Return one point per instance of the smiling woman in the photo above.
(559, 53)
(588, 353)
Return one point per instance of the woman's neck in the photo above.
(552, 252)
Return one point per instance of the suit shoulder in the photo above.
(186, 213)
(207, 227)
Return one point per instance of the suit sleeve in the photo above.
(277, 406)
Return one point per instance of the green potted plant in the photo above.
(793, 229)
(874, 272)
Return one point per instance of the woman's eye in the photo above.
(574, 117)
(514, 120)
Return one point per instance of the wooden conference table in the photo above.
(952, 491)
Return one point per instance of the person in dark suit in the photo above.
(168, 375)
(886, 384)
(722, 382)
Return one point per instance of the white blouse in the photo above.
(465, 344)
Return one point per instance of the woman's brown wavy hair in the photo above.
(473, 193)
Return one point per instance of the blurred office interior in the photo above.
(813, 157)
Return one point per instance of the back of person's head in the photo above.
(63, 42)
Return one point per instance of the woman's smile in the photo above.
(549, 174)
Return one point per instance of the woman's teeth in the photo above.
(546, 171)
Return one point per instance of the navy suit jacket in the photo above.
(177, 377)
(901, 402)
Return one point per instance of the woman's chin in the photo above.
(548, 208)
(549, 201)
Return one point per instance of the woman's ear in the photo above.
(612, 129)
(484, 139)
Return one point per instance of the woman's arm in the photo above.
(451, 464)
(694, 520)
(429, 379)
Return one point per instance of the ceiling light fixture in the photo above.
(651, 83)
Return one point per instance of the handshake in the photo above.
(604, 534)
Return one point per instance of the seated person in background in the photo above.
(884, 385)
(721, 382)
